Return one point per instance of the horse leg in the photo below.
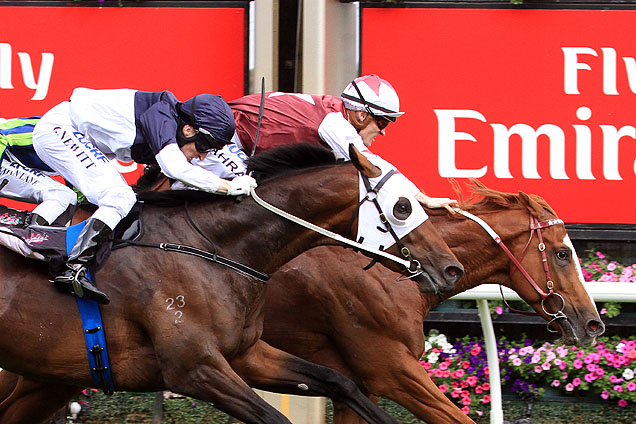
(408, 384)
(267, 368)
(26, 401)
(213, 380)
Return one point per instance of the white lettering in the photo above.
(5, 66)
(611, 136)
(583, 145)
(41, 86)
(571, 65)
(447, 136)
(529, 138)
(609, 71)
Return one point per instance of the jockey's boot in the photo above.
(35, 219)
(74, 279)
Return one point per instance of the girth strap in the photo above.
(212, 257)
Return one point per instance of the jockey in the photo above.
(363, 111)
(26, 178)
(77, 139)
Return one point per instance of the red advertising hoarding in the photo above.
(45, 52)
(541, 101)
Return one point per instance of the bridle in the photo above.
(412, 266)
(535, 227)
(415, 267)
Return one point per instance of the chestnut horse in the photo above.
(370, 327)
(208, 348)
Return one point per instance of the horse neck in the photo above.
(246, 232)
(483, 259)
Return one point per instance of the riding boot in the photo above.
(74, 279)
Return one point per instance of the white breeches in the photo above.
(32, 186)
(76, 158)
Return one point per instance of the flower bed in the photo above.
(460, 369)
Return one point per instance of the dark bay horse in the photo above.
(179, 323)
(370, 327)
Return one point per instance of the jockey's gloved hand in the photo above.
(240, 186)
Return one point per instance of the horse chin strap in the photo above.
(405, 263)
(535, 226)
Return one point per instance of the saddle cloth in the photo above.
(50, 243)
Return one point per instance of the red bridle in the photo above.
(535, 226)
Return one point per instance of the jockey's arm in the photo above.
(338, 133)
(174, 164)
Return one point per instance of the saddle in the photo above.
(50, 243)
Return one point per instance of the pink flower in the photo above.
(589, 377)
(618, 388)
(576, 382)
(475, 350)
(578, 364)
(538, 369)
(611, 266)
(472, 381)
(443, 366)
(580, 354)
(479, 390)
(569, 387)
(486, 399)
(600, 255)
(465, 401)
(486, 386)
(516, 362)
(555, 383)
(613, 379)
(466, 410)
(600, 372)
(465, 364)
(622, 403)
(546, 366)
(443, 388)
(591, 367)
(631, 386)
(499, 310)
(605, 394)
(455, 393)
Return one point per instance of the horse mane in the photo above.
(289, 159)
(276, 162)
(485, 199)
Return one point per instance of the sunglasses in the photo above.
(381, 121)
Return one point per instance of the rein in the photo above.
(535, 226)
(333, 235)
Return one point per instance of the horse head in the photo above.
(562, 298)
(384, 216)
(437, 267)
(523, 245)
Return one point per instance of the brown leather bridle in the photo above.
(535, 226)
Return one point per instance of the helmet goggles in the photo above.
(382, 120)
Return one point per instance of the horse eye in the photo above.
(402, 209)
(563, 255)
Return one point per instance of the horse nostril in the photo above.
(595, 327)
(454, 272)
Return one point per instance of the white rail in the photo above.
(600, 292)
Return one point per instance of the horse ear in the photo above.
(531, 204)
(363, 164)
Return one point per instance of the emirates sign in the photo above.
(541, 101)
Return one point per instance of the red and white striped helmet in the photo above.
(373, 95)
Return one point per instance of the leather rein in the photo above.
(535, 227)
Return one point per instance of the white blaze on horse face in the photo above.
(368, 216)
(577, 264)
